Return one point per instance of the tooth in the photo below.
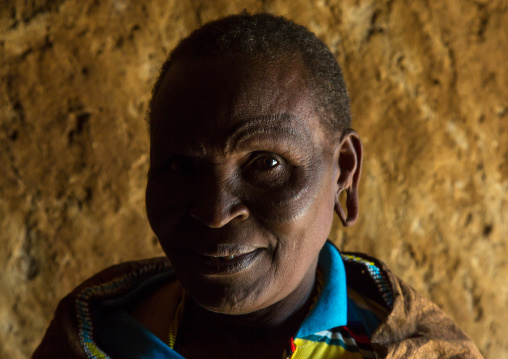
(230, 257)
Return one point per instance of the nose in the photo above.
(217, 205)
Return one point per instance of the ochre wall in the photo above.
(429, 88)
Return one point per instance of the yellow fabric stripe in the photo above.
(96, 352)
(317, 350)
(359, 259)
(177, 320)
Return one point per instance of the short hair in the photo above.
(267, 37)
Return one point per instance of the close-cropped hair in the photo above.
(267, 38)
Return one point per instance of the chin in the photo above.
(227, 299)
(228, 309)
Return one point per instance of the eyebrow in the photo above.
(279, 124)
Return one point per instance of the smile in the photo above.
(229, 257)
(226, 264)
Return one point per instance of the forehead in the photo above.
(209, 97)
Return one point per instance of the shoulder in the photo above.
(369, 277)
(124, 275)
(71, 325)
(414, 326)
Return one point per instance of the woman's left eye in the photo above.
(267, 170)
(265, 163)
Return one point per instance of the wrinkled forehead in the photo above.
(209, 93)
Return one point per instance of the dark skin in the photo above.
(242, 188)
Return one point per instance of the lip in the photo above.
(226, 262)
(224, 250)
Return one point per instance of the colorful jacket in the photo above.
(362, 311)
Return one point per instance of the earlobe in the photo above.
(350, 165)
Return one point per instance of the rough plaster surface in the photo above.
(429, 88)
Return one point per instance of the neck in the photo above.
(281, 319)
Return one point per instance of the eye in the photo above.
(179, 164)
(267, 170)
(265, 163)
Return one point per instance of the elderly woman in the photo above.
(251, 148)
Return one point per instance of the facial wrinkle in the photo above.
(295, 204)
(277, 124)
(283, 138)
(290, 203)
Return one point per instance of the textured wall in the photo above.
(429, 88)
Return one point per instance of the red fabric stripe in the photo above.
(358, 337)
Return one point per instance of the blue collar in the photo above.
(330, 309)
(122, 336)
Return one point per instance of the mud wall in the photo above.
(429, 88)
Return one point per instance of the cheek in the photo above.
(150, 203)
(295, 200)
(163, 205)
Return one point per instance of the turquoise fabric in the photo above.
(330, 310)
(121, 336)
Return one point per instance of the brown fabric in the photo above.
(415, 328)
(418, 328)
(61, 339)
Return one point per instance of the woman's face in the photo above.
(242, 182)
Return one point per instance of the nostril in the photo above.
(240, 212)
(218, 201)
(216, 216)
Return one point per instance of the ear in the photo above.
(350, 159)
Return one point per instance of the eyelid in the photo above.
(260, 154)
(186, 163)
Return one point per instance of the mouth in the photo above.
(226, 262)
